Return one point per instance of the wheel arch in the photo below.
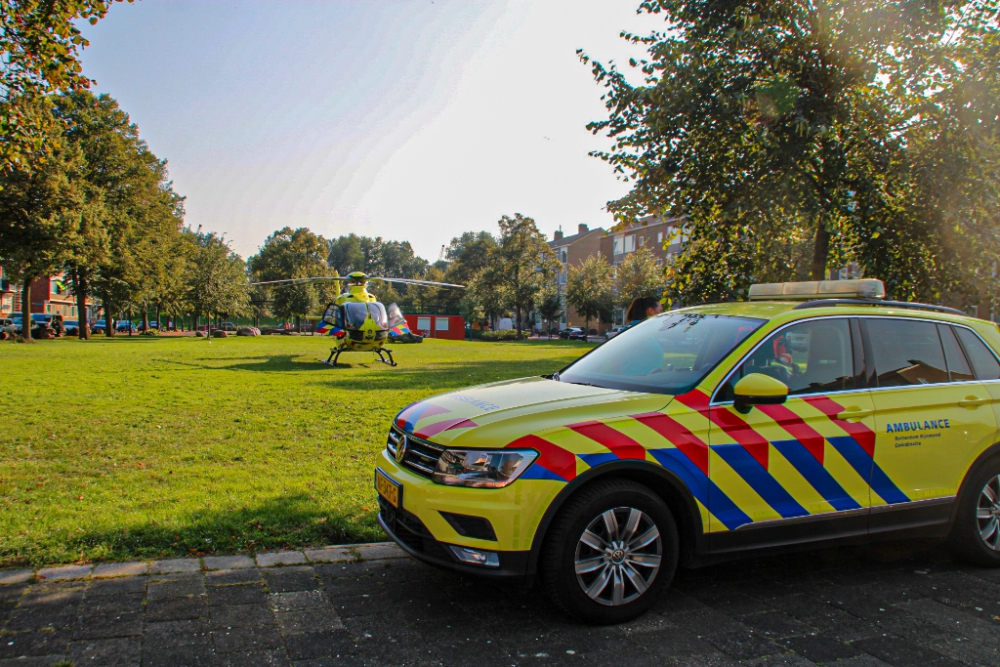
(661, 481)
(991, 452)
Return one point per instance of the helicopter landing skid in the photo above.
(384, 352)
(332, 359)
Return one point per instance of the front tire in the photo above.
(611, 551)
(976, 533)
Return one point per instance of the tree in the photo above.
(40, 44)
(520, 265)
(216, 277)
(588, 290)
(798, 135)
(549, 305)
(468, 255)
(638, 275)
(298, 253)
(40, 211)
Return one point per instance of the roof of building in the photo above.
(647, 221)
(567, 240)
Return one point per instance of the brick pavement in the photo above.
(897, 605)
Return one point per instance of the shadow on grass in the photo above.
(281, 363)
(289, 521)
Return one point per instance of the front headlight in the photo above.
(482, 469)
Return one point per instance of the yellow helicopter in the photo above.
(356, 320)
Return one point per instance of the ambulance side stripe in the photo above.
(804, 461)
(863, 435)
(868, 469)
(760, 480)
(732, 425)
(620, 444)
(675, 433)
(702, 488)
(552, 458)
(796, 427)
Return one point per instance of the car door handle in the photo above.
(853, 414)
(972, 401)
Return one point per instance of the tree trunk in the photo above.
(145, 319)
(82, 316)
(821, 249)
(26, 310)
(109, 322)
(298, 324)
(586, 330)
(518, 309)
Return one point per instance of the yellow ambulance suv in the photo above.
(815, 414)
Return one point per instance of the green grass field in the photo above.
(156, 447)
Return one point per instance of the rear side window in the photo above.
(907, 352)
(958, 365)
(984, 363)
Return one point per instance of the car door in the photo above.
(800, 470)
(932, 417)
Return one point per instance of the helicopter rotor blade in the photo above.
(413, 281)
(292, 281)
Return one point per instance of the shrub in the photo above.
(502, 334)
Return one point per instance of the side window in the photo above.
(810, 357)
(907, 352)
(984, 363)
(958, 365)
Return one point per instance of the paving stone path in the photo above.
(370, 605)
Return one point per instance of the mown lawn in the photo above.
(155, 447)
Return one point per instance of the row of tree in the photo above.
(97, 205)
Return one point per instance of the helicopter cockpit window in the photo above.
(329, 315)
(379, 315)
(338, 316)
(357, 313)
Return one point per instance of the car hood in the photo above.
(497, 414)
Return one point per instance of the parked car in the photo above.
(98, 326)
(71, 327)
(568, 332)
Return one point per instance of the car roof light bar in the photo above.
(824, 303)
(862, 288)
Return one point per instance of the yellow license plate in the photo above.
(388, 488)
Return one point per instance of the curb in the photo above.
(343, 553)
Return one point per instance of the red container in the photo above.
(451, 327)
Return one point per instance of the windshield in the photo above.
(357, 313)
(379, 315)
(665, 355)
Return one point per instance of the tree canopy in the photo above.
(799, 136)
(40, 46)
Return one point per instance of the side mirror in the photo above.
(758, 389)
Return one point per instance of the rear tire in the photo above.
(975, 536)
(611, 551)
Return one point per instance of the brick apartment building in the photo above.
(49, 295)
(572, 251)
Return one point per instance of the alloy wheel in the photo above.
(988, 514)
(618, 556)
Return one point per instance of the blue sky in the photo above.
(410, 120)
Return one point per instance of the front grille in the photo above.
(421, 456)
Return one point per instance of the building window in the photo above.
(618, 245)
(441, 323)
(562, 256)
(423, 324)
(642, 241)
(630, 243)
(659, 237)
